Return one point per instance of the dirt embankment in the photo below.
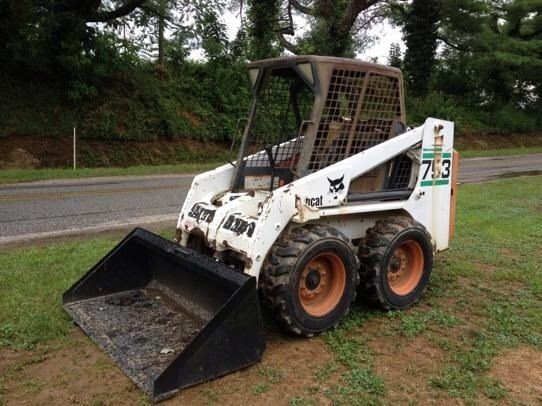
(36, 152)
(497, 141)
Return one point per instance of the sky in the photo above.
(387, 35)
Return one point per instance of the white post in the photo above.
(74, 157)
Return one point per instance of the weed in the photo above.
(364, 380)
(144, 400)
(349, 351)
(411, 324)
(466, 384)
(271, 374)
(416, 321)
(325, 371)
(299, 401)
(356, 317)
(210, 394)
(260, 387)
(361, 384)
(442, 319)
(31, 385)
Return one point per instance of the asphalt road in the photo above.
(39, 210)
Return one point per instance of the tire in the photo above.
(309, 279)
(396, 261)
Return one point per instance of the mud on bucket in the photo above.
(169, 316)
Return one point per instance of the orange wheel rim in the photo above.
(322, 284)
(405, 268)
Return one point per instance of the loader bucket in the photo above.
(169, 316)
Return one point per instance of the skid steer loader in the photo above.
(328, 191)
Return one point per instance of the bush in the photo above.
(472, 119)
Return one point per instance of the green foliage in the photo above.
(299, 401)
(270, 376)
(361, 385)
(365, 380)
(417, 321)
(260, 387)
(262, 18)
(59, 70)
(420, 32)
(196, 100)
(459, 383)
(395, 56)
(330, 33)
(487, 76)
(470, 119)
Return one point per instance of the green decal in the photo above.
(427, 155)
(436, 182)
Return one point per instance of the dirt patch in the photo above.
(405, 364)
(484, 267)
(520, 371)
(77, 373)
(31, 151)
(194, 120)
(81, 373)
(286, 370)
(19, 158)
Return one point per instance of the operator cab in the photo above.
(309, 112)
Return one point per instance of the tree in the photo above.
(53, 37)
(493, 48)
(336, 26)
(420, 32)
(263, 16)
(395, 57)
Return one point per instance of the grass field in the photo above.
(27, 175)
(476, 337)
(501, 152)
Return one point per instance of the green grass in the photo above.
(484, 299)
(26, 175)
(269, 376)
(299, 401)
(353, 362)
(31, 283)
(501, 152)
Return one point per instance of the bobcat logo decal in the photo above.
(335, 186)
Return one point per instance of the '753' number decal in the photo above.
(427, 169)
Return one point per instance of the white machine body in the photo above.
(249, 223)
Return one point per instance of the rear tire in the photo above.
(309, 279)
(396, 260)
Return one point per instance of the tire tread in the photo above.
(280, 262)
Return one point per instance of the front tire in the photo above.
(396, 261)
(309, 279)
